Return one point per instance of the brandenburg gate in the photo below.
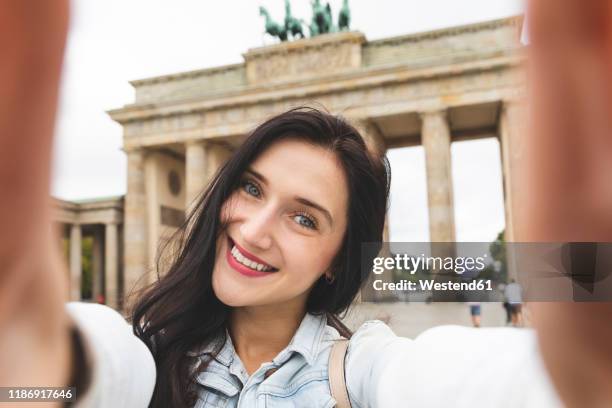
(428, 89)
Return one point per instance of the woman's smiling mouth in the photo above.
(246, 263)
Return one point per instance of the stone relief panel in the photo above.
(304, 58)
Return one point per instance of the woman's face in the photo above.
(285, 224)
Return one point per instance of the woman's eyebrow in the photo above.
(258, 176)
(316, 206)
(300, 200)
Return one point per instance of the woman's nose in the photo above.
(257, 228)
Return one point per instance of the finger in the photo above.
(571, 105)
(568, 21)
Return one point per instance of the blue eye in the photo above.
(251, 188)
(305, 221)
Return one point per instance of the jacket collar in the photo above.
(306, 341)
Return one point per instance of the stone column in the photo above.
(376, 143)
(135, 221)
(372, 135)
(436, 139)
(111, 272)
(75, 262)
(97, 264)
(195, 170)
(511, 134)
(511, 131)
(202, 160)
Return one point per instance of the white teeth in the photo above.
(247, 262)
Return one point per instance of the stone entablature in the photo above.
(296, 61)
(190, 84)
(98, 211)
(365, 93)
(444, 45)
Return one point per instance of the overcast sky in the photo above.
(114, 41)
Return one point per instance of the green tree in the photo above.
(497, 248)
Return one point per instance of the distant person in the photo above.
(513, 296)
(505, 304)
(475, 310)
(506, 307)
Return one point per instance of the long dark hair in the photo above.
(180, 312)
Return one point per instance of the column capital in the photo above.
(133, 151)
(206, 143)
(512, 102)
(443, 112)
(196, 142)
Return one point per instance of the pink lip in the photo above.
(248, 254)
(244, 270)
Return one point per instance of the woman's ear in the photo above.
(329, 276)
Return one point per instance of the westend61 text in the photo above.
(430, 284)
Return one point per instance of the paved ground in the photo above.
(410, 319)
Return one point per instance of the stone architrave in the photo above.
(135, 222)
(76, 270)
(436, 139)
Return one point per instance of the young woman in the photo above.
(246, 314)
(274, 246)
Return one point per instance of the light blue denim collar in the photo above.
(306, 341)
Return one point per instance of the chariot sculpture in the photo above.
(321, 23)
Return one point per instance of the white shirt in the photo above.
(513, 293)
(122, 367)
(444, 366)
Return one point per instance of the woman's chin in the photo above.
(229, 292)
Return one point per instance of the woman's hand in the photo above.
(34, 329)
(568, 179)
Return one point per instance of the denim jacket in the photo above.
(298, 375)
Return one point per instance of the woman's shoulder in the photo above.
(120, 367)
(384, 369)
(373, 328)
(371, 333)
(101, 315)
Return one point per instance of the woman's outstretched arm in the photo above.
(36, 326)
(569, 153)
(34, 329)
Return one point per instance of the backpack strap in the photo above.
(337, 381)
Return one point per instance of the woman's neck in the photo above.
(259, 333)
